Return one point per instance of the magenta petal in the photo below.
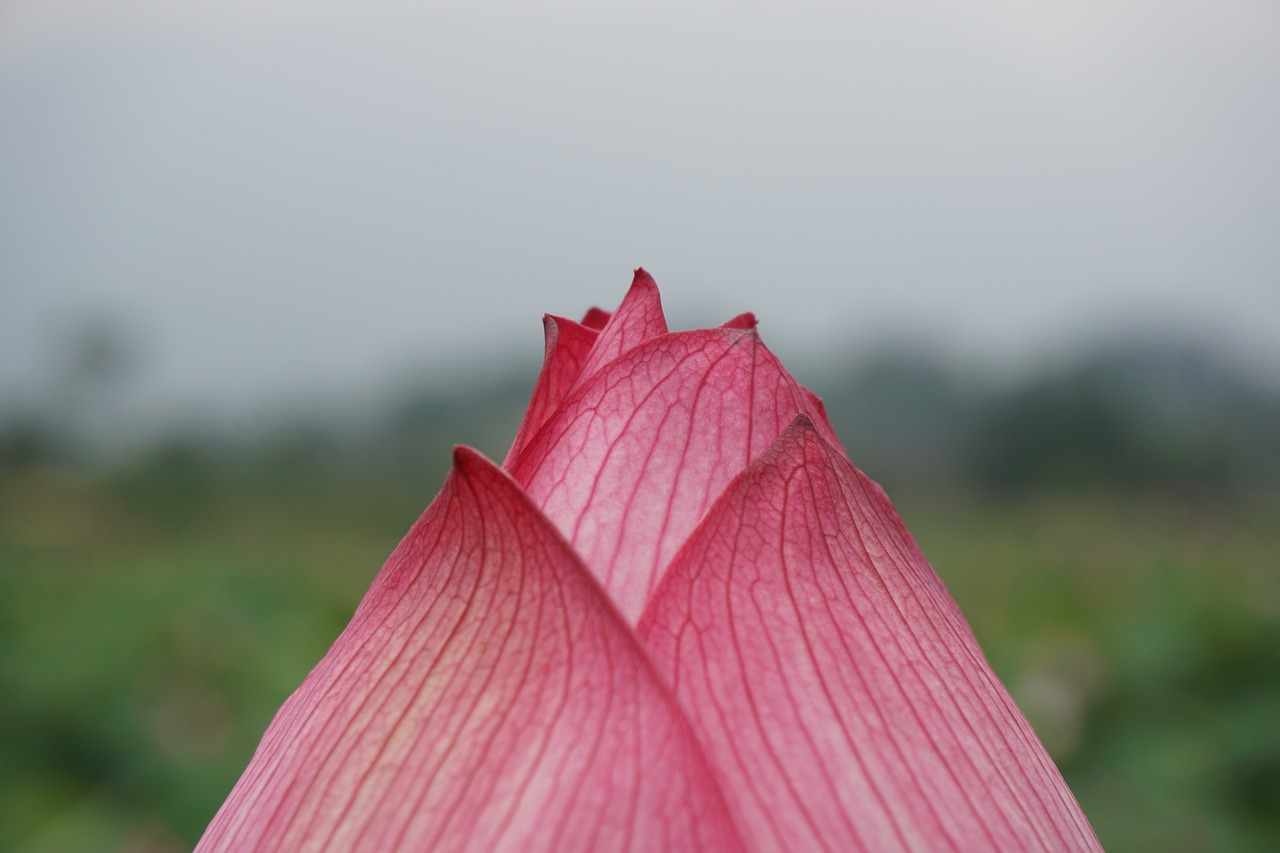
(595, 318)
(635, 456)
(638, 319)
(746, 320)
(833, 682)
(485, 696)
(567, 346)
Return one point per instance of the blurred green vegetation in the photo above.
(1109, 529)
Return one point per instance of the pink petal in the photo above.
(833, 681)
(637, 453)
(747, 320)
(595, 318)
(638, 319)
(485, 696)
(567, 346)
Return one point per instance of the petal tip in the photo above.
(468, 460)
(642, 279)
(552, 326)
(595, 318)
(802, 432)
(802, 423)
(550, 330)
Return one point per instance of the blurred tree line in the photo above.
(1166, 418)
(1160, 419)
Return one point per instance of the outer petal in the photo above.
(567, 346)
(638, 453)
(485, 696)
(833, 681)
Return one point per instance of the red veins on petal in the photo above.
(485, 696)
(637, 319)
(636, 454)
(832, 680)
(571, 351)
(567, 346)
(748, 320)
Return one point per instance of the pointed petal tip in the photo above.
(595, 318)
(745, 320)
(550, 330)
(462, 455)
(642, 279)
(551, 324)
(443, 674)
(467, 460)
(800, 425)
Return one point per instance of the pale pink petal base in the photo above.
(485, 696)
(832, 680)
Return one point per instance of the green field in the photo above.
(151, 624)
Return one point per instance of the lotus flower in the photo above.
(676, 618)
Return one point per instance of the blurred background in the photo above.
(262, 263)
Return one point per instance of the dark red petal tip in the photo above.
(467, 459)
(801, 423)
(595, 318)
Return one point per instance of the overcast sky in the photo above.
(283, 199)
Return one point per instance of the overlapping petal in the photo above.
(485, 695)
(638, 319)
(832, 680)
(567, 346)
(640, 449)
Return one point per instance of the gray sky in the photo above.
(284, 198)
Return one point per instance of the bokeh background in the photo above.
(262, 262)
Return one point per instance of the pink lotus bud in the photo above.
(679, 619)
